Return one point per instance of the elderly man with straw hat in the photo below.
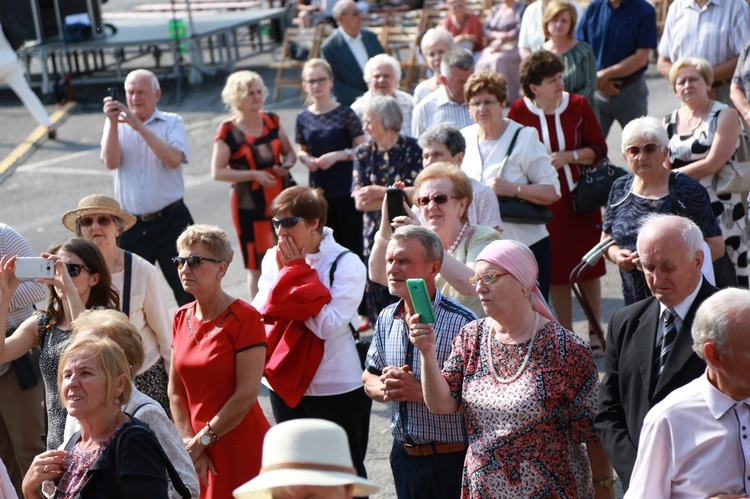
(306, 458)
(99, 219)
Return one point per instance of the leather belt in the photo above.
(433, 448)
(630, 80)
(719, 83)
(151, 217)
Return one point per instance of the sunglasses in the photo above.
(439, 199)
(488, 278)
(74, 269)
(103, 221)
(287, 222)
(648, 149)
(193, 261)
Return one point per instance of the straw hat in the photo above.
(97, 203)
(305, 452)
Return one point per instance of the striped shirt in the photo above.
(143, 184)
(438, 108)
(28, 292)
(715, 32)
(416, 424)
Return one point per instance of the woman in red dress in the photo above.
(253, 152)
(218, 353)
(570, 131)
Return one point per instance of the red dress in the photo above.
(208, 372)
(572, 126)
(251, 202)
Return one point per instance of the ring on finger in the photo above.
(46, 468)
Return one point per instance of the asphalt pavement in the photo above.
(52, 176)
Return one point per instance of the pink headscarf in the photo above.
(517, 258)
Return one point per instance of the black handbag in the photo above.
(592, 190)
(518, 211)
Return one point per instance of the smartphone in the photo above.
(112, 92)
(34, 267)
(395, 199)
(421, 301)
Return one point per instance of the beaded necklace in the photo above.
(499, 378)
(458, 238)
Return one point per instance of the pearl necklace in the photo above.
(214, 328)
(458, 238)
(499, 378)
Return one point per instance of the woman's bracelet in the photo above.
(211, 432)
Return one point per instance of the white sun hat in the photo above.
(305, 452)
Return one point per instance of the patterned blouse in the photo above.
(402, 162)
(52, 343)
(526, 436)
(579, 76)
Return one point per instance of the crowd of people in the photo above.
(494, 395)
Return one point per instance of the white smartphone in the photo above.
(34, 267)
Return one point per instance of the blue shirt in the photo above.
(412, 422)
(615, 34)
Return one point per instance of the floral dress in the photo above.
(728, 209)
(402, 162)
(526, 435)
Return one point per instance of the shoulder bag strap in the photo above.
(126, 283)
(509, 151)
(177, 482)
(675, 207)
(331, 272)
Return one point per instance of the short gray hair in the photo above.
(341, 6)
(434, 36)
(715, 317)
(430, 241)
(459, 58)
(382, 60)
(144, 72)
(444, 134)
(645, 127)
(386, 108)
(692, 237)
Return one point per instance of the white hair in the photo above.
(434, 36)
(144, 72)
(715, 317)
(692, 237)
(382, 60)
(341, 6)
(645, 127)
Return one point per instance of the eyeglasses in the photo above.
(649, 149)
(488, 278)
(193, 261)
(485, 103)
(439, 199)
(102, 221)
(74, 269)
(287, 222)
(317, 81)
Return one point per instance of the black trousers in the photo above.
(349, 410)
(543, 252)
(156, 241)
(426, 477)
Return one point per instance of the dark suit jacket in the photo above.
(348, 80)
(627, 391)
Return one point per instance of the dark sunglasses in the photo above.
(287, 222)
(648, 149)
(488, 278)
(74, 269)
(439, 199)
(193, 261)
(103, 221)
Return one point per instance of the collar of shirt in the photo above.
(693, 4)
(442, 99)
(350, 39)
(683, 308)
(717, 402)
(156, 115)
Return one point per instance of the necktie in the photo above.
(667, 340)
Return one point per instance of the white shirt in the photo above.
(357, 46)
(405, 102)
(340, 370)
(694, 444)
(438, 108)
(143, 184)
(531, 35)
(528, 163)
(682, 310)
(715, 32)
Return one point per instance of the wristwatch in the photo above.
(348, 152)
(518, 190)
(607, 483)
(205, 440)
(575, 155)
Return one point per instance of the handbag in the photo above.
(518, 211)
(592, 190)
(362, 345)
(735, 175)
